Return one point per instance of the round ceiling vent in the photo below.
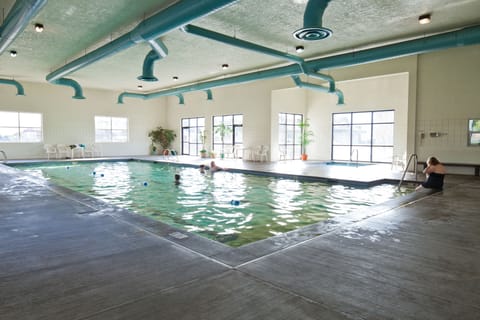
(312, 34)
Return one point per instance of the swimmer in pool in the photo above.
(435, 172)
(215, 168)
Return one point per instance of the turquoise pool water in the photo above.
(232, 208)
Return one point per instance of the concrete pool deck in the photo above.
(67, 256)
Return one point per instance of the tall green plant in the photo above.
(222, 130)
(307, 135)
(163, 137)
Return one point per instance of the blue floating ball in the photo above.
(102, 175)
(235, 202)
(94, 172)
(145, 183)
(68, 167)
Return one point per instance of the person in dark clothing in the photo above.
(435, 172)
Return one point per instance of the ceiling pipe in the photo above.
(457, 38)
(239, 43)
(260, 49)
(154, 27)
(209, 94)
(302, 84)
(71, 83)
(159, 51)
(20, 91)
(312, 22)
(180, 98)
(17, 19)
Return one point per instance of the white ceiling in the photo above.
(74, 28)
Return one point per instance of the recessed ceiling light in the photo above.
(13, 53)
(175, 78)
(39, 27)
(299, 49)
(425, 18)
(225, 66)
(140, 87)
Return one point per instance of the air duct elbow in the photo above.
(312, 22)
(20, 91)
(159, 51)
(131, 95)
(71, 83)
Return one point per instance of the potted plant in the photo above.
(163, 137)
(203, 138)
(306, 138)
(222, 130)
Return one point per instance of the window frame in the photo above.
(197, 142)
(111, 130)
(296, 145)
(473, 131)
(217, 145)
(19, 128)
(366, 146)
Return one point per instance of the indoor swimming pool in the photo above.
(233, 208)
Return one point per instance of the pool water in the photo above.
(232, 208)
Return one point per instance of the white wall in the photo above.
(71, 121)
(448, 95)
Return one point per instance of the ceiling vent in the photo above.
(312, 22)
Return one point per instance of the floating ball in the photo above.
(94, 172)
(235, 202)
(68, 168)
(102, 175)
(145, 183)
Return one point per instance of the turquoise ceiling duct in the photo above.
(312, 22)
(180, 98)
(457, 38)
(71, 83)
(240, 43)
(17, 19)
(302, 84)
(260, 49)
(131, 95)
(209, 94)
(173, 17)
(20, 91)
(159, 50)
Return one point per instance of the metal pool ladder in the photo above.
(4, 155)
(413, 157)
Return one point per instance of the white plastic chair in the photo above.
(63, 149)
(92, 150)
(261, 154)
(50, 150)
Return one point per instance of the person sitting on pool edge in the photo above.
(435, 172)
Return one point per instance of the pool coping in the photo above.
(232, 256)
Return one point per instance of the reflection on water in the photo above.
(232, 208)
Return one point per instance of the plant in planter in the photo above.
(163, 137)
(306, 138)
(222, 130)
(203, 138)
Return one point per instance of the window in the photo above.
(363, 136)
(20, 127)
(192, 130)
(232, 132)
(474, 132)
(111, 129)
(289, 135)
